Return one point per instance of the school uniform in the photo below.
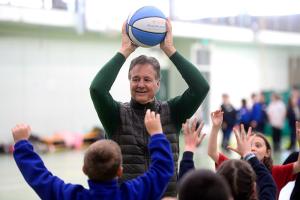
(150, 185)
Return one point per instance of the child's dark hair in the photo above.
(102, 160)
(240, 178)
(203, 184)
(268, 161)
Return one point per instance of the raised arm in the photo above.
(212, 149)
(106, 107)
(296, 168)
(266, 185)
(153, 183)
(192, 139)
(190, 100)
(34, 171)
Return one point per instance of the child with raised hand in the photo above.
(102, 165)
(260, 146)
(266, 188)
(201, 183)
(217, 119)
(192, 139)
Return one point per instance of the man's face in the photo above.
(143, 83)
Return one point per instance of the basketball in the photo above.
(146, 26)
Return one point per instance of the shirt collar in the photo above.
(139, 106)
(103, 185)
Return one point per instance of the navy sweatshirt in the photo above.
(150, 185)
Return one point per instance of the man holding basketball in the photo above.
(124, 122)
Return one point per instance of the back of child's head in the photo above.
(203, 184)
(267, 160)
(102, 160)
(240, 177)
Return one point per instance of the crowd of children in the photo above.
(252, 177)
(261, 114)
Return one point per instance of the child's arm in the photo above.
(266, 185)
(192, 139)
(217, 119)
(296, 168)
(34, 171)
(153, 183)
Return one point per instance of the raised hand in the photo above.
(127, 46)
(192, 136)
(152, 123)
(243, 140)
(167, 45)
(21, 132)
(212, 148)
(217, 118)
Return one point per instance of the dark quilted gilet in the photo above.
(133, 139)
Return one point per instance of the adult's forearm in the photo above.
(213, 144)
(192, 76)
(190, 100)
(108, 74)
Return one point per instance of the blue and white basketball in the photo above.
(146, 27)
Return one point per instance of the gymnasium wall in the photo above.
(45, 79)
(45, 74)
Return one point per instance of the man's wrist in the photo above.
(170, 52)
(125, 52)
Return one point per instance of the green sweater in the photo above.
(182, 107)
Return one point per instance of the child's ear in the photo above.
(268, 153)
(120, 171)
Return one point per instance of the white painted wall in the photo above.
(234, 70)
(45, 83)
(44, 80)
(240, 70)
